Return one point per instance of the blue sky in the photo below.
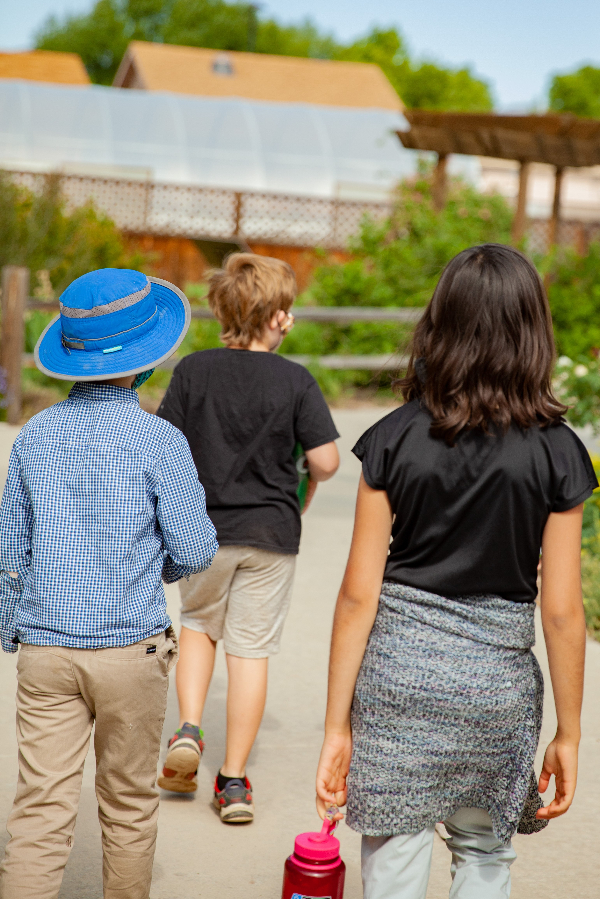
(515, 44)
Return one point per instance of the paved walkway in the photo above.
(197, 856)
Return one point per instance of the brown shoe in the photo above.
(180, 771)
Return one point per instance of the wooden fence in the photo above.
(16, 302)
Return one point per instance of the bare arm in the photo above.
(563, 621)
(323, 461)
(354, 616)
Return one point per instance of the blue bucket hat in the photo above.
(113, 322)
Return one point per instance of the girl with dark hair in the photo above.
(435, 697)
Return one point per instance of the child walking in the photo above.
(101, 501)
(435, 698)
(243, 409)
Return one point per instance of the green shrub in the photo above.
(574, 295)
(577, 384)
(57, 245)
(590, 557)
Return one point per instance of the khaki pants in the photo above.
(61, 693)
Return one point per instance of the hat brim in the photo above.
(154, 347)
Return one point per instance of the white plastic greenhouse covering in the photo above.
(240, 144)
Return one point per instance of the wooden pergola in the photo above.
(563, 141)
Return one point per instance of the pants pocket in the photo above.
(171, 649)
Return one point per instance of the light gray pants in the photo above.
(397, 867)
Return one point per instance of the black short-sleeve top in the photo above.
(469, 518)
(242, 413)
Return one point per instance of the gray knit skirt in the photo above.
(447, 714)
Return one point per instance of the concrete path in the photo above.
(197, 856)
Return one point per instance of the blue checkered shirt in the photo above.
(101, 500)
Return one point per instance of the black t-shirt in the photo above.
(469, 518)
(242, 413)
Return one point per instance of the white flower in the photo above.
(564, 361)
(580, 371)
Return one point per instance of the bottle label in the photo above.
(302, 896)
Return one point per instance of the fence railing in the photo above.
(16, 302)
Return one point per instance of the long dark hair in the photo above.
(483, 352)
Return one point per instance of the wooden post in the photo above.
(555, 217)
(518, 225)
(439, 187)
(15, 293)
(237, 214)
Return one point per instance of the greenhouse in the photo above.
(233, 143)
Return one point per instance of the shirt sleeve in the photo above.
(373, 455)
(190, 538)
(313, 425)
(377, 444)
(16, 517)
(575, 473)
(175, 401)
(16, 525)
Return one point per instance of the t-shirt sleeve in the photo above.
(174, 405)
(371, 451)
(378, 443)
(313, 425)
(576, 476)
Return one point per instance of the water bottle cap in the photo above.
(317, 847)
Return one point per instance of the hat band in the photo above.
(104, 343)
(106, 308)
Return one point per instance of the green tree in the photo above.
(429, 86)
(100, 37)
(294, 40)
(421, 85)
(211, 23)
(577, 92)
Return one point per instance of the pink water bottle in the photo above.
(315, 869)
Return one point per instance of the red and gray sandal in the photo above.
(180, 771)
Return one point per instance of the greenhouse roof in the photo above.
(242, 144)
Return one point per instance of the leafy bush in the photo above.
(57, 245)
(398, 262)
(590, 557)
(37, 231)
(574, 295)
(577, 384)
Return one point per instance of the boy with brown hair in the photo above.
(243, 408)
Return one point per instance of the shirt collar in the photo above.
(91, 391)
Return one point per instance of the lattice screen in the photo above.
(180, 211)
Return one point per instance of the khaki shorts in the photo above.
(242, 599)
